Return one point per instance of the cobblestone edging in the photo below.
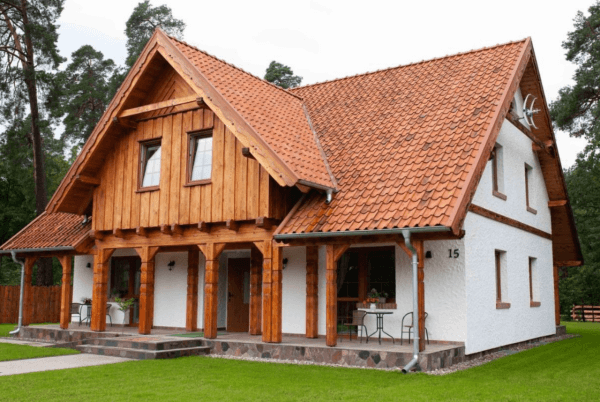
(336, 356)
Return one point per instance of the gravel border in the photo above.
(456, 367)
(501, 353)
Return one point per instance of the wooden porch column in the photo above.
(277, 294)
(100, 289)
(267, 290)
(312, 292)
(419, 246)
(65, 291)
(211, 252)
(556, 297)
(255, 291)
(332, 255)
(147, 255)
(191, 319)
(27, 291)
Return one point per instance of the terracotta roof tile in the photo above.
(400, 142)
(277, 115)
(48, 230)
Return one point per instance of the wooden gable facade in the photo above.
(239, 188)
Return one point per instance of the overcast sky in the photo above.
(323, 40)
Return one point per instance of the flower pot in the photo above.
(373, 306)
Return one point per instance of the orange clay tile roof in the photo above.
(277, 115)
(401, 141)
(49, 230)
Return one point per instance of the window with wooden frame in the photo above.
(528, 171)
(533, 283)
(199, 165)
(149, 171)
(500, 262)
(497, 172)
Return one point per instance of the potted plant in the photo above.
(124, 306)
(86, 300)
(373, 298)
(383, 296)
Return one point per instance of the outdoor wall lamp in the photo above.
(171, 265)
(88, 265)
(285, 261)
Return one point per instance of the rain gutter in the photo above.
(348, 233)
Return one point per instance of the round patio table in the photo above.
(379, 314)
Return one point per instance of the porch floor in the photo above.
(292, 347)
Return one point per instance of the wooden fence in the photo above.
(586, 313)
(45, 304)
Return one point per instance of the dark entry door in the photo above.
(125, 283)
(238, 301)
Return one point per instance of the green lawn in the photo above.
(16, 352)
(567, 370)
(9, 351)
(6, 328)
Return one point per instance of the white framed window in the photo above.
(199, 157)
(150, 154)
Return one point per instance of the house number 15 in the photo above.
(453, 253)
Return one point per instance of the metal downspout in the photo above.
(14, 257)
(415, 265)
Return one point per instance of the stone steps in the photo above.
(143, 354)
(146, 343)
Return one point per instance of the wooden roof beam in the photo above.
(160, 105)
(557, 203)
(125, 123)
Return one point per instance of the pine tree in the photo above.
(141, 25)
(282, 76)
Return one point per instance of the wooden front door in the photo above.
(238, 300)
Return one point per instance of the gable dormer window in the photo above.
(199, 157)
(150, 165)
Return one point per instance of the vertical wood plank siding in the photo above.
(45, 304)
(239, 189)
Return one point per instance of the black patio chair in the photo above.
(358, 320)
(108, 306)
(409, 327)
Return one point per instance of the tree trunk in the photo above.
(44, 276)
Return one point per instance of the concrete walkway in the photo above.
(56, 363)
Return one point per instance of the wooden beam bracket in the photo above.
(232, 225)
(125, 123)
(266, 223)
(557, 203)
(166, 229)
(204, 227)
(177, 229)
(118, 233)
(92, 181)
(141, 231)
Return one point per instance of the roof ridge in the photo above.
(236, 67)
(410, 64)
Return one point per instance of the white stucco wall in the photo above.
(294, 291)
(170, 290)
(516, 150)
(488, 327)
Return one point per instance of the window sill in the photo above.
(502, 305)
(533, 211)
(534, 304)
(147, 189)
(197, 183)
(499, 195)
